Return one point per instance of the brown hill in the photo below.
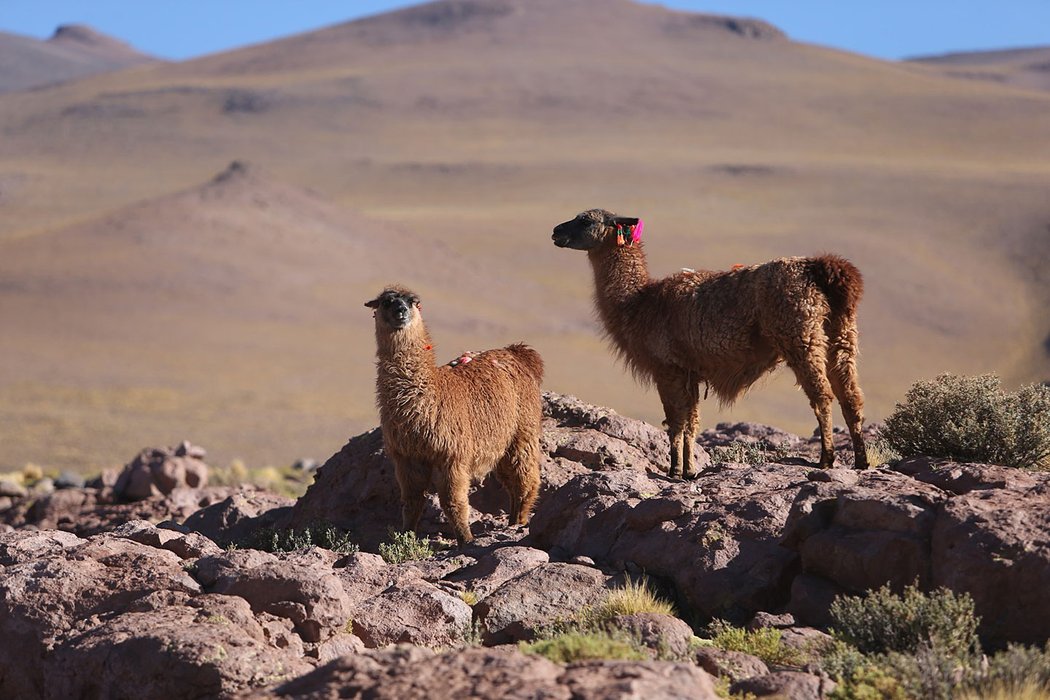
(481, 124)
(73, 51)
(157, 318)
(1024, 67)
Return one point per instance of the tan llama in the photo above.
(454, 423)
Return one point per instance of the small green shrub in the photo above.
(883, 622)
(581, 646)
(914, 645)
(292, 539)
(405, 546)
(632, 598)
(971, 419)
(765, 643)
(879, 452)
(928, 672)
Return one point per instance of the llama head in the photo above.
(395, 308)
(593, 227)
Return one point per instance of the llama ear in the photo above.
(374, 304)
(625, 221)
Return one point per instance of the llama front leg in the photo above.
(412, 479)
(674, 395)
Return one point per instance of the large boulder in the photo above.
(716, 538)
(51, 584)
(236, 518)
(210, 646)
(309, 595)
(522, 606)
(414, 612)
(995, 545)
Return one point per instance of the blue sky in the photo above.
(178, 29)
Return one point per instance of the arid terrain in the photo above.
(150, 291)
(153, 582)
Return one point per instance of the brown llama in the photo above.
(454, 422)
(725, 329)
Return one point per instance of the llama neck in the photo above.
(620, 273)
(405, 364)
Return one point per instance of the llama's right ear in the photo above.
(374, 304)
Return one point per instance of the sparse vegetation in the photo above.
(972, 419)
(884, 622)
(589, 634)
(765, 643)
(580, 646)
(632, 598)
(917, 645)
(287, 481)
(760, 452)
(405, 546)
(321, 535)
(880, 452)
(469, 597)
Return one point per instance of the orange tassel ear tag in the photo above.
(619, 237)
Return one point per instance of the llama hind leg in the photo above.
(519, 472)
(811, 371)
(842, 371)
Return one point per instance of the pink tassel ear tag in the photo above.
(636, 231)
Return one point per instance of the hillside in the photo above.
(1024, 67)
(73, 51)
(479, 124)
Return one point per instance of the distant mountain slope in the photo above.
(74, 51)
(1025, 67)
(204, 296)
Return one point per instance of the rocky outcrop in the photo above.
(119, 606)
(411, 673)
(356, 490)
(156, 471)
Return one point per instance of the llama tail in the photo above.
(840, 280)
(530, 360)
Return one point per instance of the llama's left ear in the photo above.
(625, 221)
